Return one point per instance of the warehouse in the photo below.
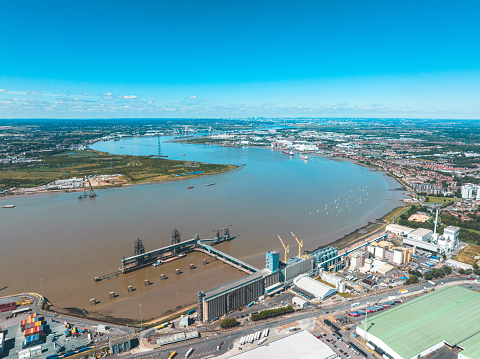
(447, 316)
(301, 345)
(314, 287)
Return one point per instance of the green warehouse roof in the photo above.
(450, 314)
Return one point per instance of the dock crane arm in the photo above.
(300, 244)
(287, 248)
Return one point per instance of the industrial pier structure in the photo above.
(142, 259)
(275, 277)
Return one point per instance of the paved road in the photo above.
(206, 346)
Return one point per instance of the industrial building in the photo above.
(357, 260)
(430, 241)
(216, 302)
(120, 344)
(458, 265)
(447, 316)
(70, 183)
(301, 345)
(314, 287)
(398, 229)
(301, 303)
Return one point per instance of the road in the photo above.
(207, 346)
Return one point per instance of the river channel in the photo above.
(60, 243)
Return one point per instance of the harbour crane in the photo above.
(300, 244)
(287, 248)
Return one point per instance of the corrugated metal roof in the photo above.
(449, 314)
(471, 346)
(313, 286)
(236, 283)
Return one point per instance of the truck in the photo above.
(432, 283)
(261, 341)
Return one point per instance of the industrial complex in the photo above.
(274, 278)
(446, 317)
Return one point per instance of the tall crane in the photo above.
(287, 248)
(300, 244)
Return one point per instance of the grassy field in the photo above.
(396, 212)
(135, 169)
(432, 199)
(468, 254)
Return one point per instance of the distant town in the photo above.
(345, 301)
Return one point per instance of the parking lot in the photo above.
(338, 344)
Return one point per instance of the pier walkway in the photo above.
(226, 258)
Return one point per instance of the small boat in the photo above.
(288, 153)
(157, 263)
(303, 157)
(181, 255)
(190, 187)
(212, 184)
(182, 154)
(9, 206)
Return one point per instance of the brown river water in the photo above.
(61, 243)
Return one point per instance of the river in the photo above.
(61, 243)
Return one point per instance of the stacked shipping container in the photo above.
(33, 330)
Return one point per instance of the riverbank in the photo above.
(134, 170)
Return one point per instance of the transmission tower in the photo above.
(176, 236)
(159, 146)
(139, 248)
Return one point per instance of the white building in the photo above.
(421, 238)
(333, 279)
(452, 233)
(459, 265)
(467, 191)
(380, 253)
(478, 192)
(318, 289)
(70, 183)
(301, 345)
(398, 229)
(397, 257)
(305, 147)
(302, 303)
(357, 260)
(425, 239)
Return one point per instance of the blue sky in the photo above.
(103, 59)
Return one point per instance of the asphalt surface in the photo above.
(206, 346)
